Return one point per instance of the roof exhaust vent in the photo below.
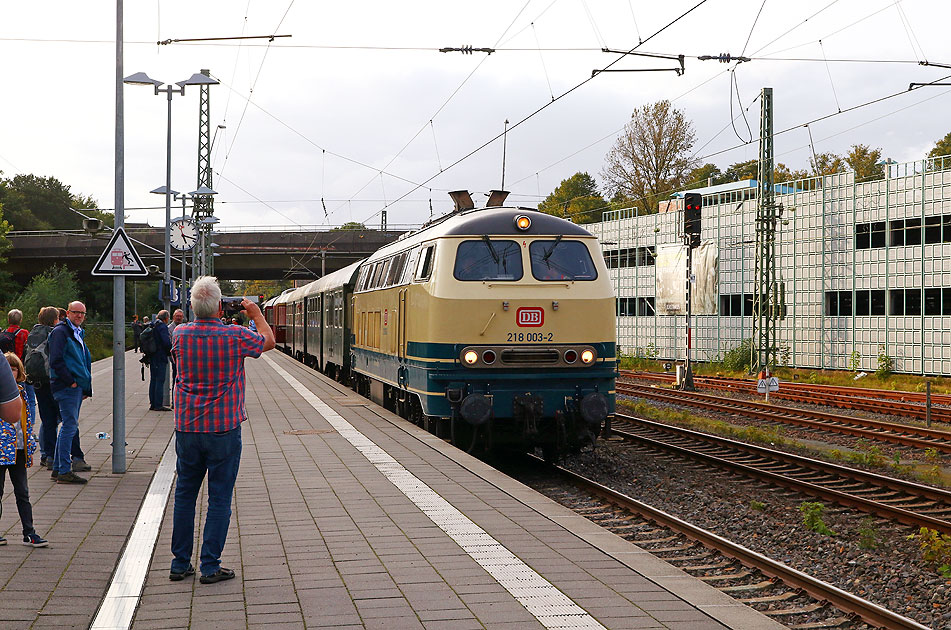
(462, 199)
(496, 198)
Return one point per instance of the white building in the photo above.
(866, 268)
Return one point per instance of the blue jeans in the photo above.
(69, 400)
(157, 369)
(219, 454)
(49, 414)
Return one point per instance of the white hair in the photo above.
(14, 317)
(206, 297)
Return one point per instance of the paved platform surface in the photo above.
(339, 521)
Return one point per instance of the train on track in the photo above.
(494, 327)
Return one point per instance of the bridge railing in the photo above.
(231, 229)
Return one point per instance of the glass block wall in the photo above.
(866, 268)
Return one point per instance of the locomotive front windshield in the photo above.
(488, 259)
(561, 260)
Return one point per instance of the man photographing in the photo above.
(209, 410)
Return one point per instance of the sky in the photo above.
(358, 112)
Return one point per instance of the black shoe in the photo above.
(160, 408)
(80, 465)
(220, 575)
(32, 540)
(44, 462)
(54, 475)
(70, 477)
(177, 577)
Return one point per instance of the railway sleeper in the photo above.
(757, 586)
(704, 567)
(657, 541)
(779, 597)
(833, 622)
(726, 576)
(798, 610)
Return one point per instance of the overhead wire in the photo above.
(546, 105)
(441, 107)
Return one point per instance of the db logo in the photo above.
(530, 316)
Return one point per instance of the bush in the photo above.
(738, 359)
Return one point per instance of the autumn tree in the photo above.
(267, 288)
(827, 163)
(576, 198)
(941, 147)
(651, 158)
(865, 162)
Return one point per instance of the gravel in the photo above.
(892, 574)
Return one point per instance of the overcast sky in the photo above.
(359, 108)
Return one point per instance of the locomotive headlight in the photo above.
(587, 356)
(571, 356)
(522, 222)
(488, 357)
(470, 357)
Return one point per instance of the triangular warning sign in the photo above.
(119, 258)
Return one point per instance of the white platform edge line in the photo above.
(504, 566)
(125, 589)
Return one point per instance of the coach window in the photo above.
(561, 260)
(364, 275)
(396, 269)
(378, 274)
(488, 259)
(425, 268)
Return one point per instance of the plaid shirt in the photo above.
(209, 388)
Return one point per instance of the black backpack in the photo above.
(147, 340)
(37, 363)
(8, 340)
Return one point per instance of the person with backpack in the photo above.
(13, 339)
(71, 383)
(37, 365)
(158, 352)
(136, 332)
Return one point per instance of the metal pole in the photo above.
(166, 395)
(505, 137)
(118, 283)
(687, 384)
(928, 404)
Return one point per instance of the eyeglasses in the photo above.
(78, 312)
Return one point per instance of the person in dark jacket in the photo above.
(71, 383)
(136, 333)
(158, 363)
(48, 408)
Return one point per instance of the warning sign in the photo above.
(119, 258)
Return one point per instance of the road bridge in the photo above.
(246, 253)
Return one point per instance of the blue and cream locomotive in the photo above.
(492, 326)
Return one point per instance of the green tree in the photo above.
(43, 203)
(864, 161)
(651, 158)
(784, 174)
(352, 225)
(703, 176)
(57, 286)
(267, 288)
(576, 198)
(741, 171)
(941, 147)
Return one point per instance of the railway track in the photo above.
(906, 502)
(792, 597)
(902, 434)
(905, 404)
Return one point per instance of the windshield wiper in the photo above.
(488, 243)
(552, 248)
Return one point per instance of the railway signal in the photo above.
(693, 202)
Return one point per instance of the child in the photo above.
(17, 445)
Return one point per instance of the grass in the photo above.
(927, 470)
(840, 378)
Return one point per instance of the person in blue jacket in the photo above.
(70, 383)
(158, 363)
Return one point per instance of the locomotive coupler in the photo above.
(528, 408)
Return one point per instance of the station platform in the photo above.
(344, 516)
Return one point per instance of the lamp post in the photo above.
(140, 78)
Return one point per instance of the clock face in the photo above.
(184, 234)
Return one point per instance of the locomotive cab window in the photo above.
(488, 259)
(561, 260)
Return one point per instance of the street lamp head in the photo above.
(162, 190)
(140, 78)
(197, 79)
(203, 191)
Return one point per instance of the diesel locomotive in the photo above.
(494, 327)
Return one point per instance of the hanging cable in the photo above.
(633, 17)
(829, 72)
(435, 144)
(912, 38)
(542, 58)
